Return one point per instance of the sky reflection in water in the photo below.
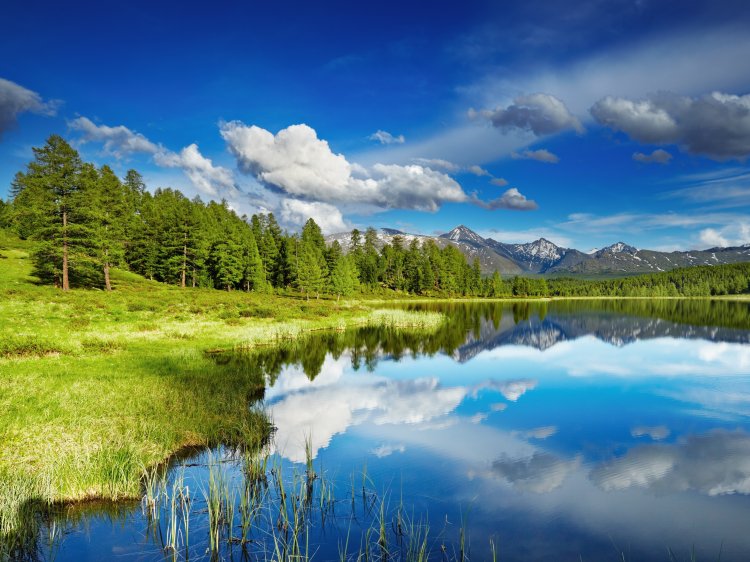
(556, 438)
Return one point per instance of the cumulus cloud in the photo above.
(512, 200)
(15, 99)
(541, 155)
(384, 137)
(329, 218)
(731, 235)
(658, 156)
(207, 178)
(716, 125)
(437, 164)
(478, 171)
(118, 141)
(713, 464)
(414, 187)
(539, 473)
(499, 182)
(451, 167)
(711, 237)
(542, 114)
(303, 166)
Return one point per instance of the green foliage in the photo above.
(93, 221)
(699, 281)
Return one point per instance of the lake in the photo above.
(572, 430)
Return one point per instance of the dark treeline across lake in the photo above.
(591, 430)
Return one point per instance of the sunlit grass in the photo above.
(96, 386)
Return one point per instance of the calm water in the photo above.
(571, 431)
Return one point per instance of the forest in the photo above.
(86, 220)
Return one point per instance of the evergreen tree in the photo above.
(226, 264)
(344, 276)
(369, 265)
(254, 272)
(109, 216)
(310, 277)
(46, 199)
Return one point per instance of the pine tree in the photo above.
(46, 200)
(109, 214)
(344, 276)
(254, 272)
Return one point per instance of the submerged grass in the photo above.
(97, 386)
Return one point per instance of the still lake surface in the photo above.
(602, 430)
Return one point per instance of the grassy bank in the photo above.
(97, 386)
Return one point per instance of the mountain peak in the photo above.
(618, 248)
(463, 234)
(391, 231)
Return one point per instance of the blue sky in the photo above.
(585, 123)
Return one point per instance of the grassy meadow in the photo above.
(95, 387)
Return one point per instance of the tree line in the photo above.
(87, 221)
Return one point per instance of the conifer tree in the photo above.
(344, 276)
(46, 199)
(108, 216)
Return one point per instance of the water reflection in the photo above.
(566, 430)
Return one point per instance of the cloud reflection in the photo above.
(713, 464)
(540, 473)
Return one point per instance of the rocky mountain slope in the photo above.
(544, 257)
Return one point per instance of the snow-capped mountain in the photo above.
(544, 257)
(464, 234)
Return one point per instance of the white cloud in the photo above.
(15, 99)
(437, 164)
(295, 213)
(665, 62)
(296, 162)
(713, 464)
(500, 182)
(716, 125)
(735, 234)
(711, 237)
(658, 156)
(542, 114)
(477, 171)
(118, 141)
(415, 187)
(541, 155)
(207, 178)
(512, 199)
(384, 137)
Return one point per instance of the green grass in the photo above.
(98, 386)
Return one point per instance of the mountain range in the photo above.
(544, 257)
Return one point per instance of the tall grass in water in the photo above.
(217, 497)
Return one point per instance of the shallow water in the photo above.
(579, 430)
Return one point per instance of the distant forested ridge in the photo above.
(86, 220)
